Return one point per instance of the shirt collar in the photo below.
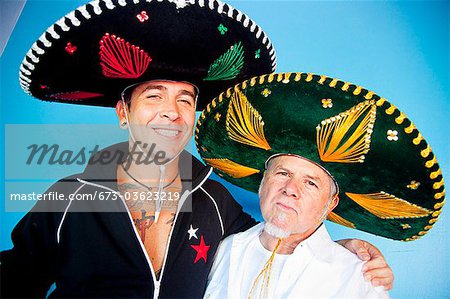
(318, 244)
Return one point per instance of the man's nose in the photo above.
(292, 189)
(170, 110)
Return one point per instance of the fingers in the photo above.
(362, 251)
(375, 263)
(357, 247)
(373, 251)
(386, 283)
(382, 276)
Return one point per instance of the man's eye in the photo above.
(153, 96)
(311, 183)
(283, 173)
(187, 102)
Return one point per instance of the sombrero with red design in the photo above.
(389, 179)
(90, 55)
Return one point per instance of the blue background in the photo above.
(400, 50)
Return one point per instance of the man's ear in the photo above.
(120, 110)
(334, 203)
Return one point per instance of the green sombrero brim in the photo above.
(90, 55)
(391, 184)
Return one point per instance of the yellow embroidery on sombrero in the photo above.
(387, 206)
(231, 168)
(381, 101)
(436, 213)
(431, 163)
(345, 86)
(390, 110)
(410, 128)
(369, 95)
(399, 119)
(439, 195)
(405, 225)
(262, 79)
(433, 220)
(244, 124)
(418, 139)
(322, 79)
(425, 152)
(331, 132)
(271, 77)
(339, 220)
(413, 185)
(333, 83)
(280, 77)
(327, 103)
(286, 78)
(357, 90)
(439, 205)
(438, 185)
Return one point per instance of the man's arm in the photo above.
(29, 268)
(375, 269)
(26, 269)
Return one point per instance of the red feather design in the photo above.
(120, 59)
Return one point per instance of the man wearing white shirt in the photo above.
(305, 143)
(291, 254)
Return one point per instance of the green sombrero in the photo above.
(391, 184)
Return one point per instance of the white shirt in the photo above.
(318, 268)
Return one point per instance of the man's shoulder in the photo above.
(56, 197)
(344, 260)
(344, 255)
(348, 267)
(66, 184)
(213, 185)
(216, 192)
(333, 254)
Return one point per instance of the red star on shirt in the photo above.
(202, 250)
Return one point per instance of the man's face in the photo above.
(294, 194)
(162, 113)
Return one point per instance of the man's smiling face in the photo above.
(162, 113)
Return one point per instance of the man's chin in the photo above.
(276, 231)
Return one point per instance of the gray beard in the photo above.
(275, 231)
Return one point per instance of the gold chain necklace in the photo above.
(266, 270)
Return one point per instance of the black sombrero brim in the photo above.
(391, 184)
(89, 56)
